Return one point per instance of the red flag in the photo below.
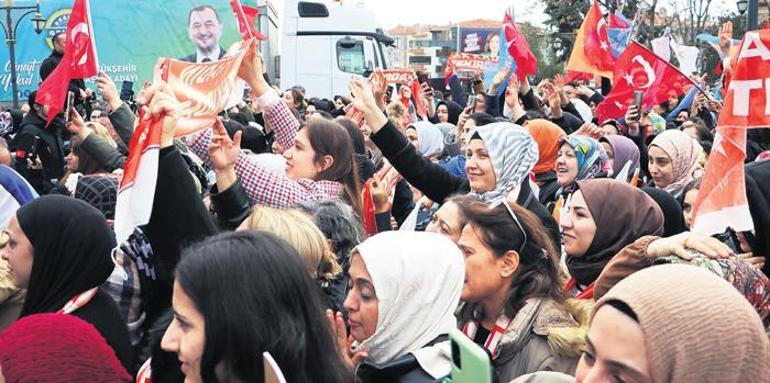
(136, 192)
(722, 201)
(640, 69)
(575, 76)
(370, 222)
(247, 18)
(596, 44)
(526, 63)
(79, 61)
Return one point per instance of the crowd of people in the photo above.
(348, 238)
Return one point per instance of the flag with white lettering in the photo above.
(722, 201)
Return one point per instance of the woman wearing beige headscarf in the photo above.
(675, 323)
(673, 157)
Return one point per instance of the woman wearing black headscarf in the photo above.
(673, 218)
(59, 250)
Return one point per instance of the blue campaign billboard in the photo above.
(130, 35)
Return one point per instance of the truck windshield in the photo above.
(357, 56)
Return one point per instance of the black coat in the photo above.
(50, 63)
(102, 313)
(35, 139)
(438, 184)
(193, 57)
(404, 369)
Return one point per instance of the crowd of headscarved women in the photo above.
(348, 239)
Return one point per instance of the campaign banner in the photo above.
(480, 41)
(130, 36)
(399, 76)
(468, 62)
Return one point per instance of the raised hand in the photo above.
(163, 104)
(343, 340)
(109, 90)
(77, 125)
(223, 150)
(590, 130)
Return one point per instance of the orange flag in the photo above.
(578, 60)
(204, 89)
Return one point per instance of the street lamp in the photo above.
(742, 6)
(10, 35)
(752, 6)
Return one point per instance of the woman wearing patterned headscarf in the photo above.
(673, 157)
(580, 158)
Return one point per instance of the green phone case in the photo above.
(474, 363)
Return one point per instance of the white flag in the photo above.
(687, 57)
(661, 47)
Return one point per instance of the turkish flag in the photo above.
(526, 63)
(596, 44)
(247, 18)
(79, 61)
(136, 192)
(640, 69)
(722, 201)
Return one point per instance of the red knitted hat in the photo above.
(57, 348)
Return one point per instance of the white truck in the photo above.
(320, 45)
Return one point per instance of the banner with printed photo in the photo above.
(132, 35)
(482, 41)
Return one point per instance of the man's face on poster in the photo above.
(204, 29)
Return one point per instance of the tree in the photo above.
(690, 18)
(564, 19)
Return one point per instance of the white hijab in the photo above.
(431, 139)
(417, 278)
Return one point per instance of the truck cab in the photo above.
(323, 44)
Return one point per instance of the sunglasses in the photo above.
(518, 223)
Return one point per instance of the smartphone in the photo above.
(472, 102)
(470, 362)
(638, 96)
(422, 77)
(127, 90)
(70, 105)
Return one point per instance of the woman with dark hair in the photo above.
(364, 165)
(59, 250)
(294, 99)
(319, 154)
(689, 196)
(225, 318)
(514, 300)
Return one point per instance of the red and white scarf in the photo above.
(492, 344)
(78, 301)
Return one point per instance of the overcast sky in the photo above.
(391, 13)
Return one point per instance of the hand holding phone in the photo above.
(70, 106)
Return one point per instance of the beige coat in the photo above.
(543, 336)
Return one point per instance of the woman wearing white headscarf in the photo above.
(399, 318)
(429, 139)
